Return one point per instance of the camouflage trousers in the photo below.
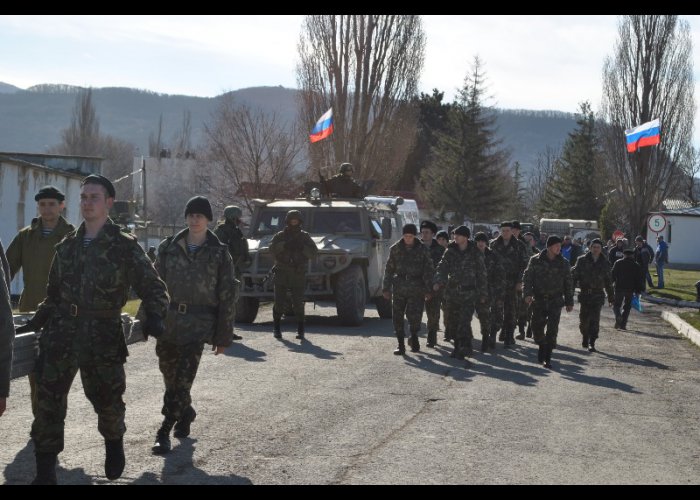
(459, 310)
(521, 308)
(509, 308)
(589, 316)
(432, 311)
(546, 313)
(178, 364)
(407, 302)
(62, 354)
(490, 316)
(294, 282)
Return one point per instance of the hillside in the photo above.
(33, 118)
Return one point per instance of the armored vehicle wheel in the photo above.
(383, 307)
(247, 309)
(351, 296)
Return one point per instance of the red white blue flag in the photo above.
(646, 134)
(323, 127)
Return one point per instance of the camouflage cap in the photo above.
(430, 225)
(294, 214)
(233, 212)
(481, 236)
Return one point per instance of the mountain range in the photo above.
(32, 119)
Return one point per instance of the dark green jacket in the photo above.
(7, 333)
(408, 268)
(593, 275)
(205, 278)
(436, 252)
(549, 279)
(32, 252)
(514, 257)
(463, 271)
(98, 277)
(496, 275)
(292, 249)
(232, 236)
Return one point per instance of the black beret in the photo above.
(199, 205)
(596, 241)
(553, 240)
(410, 229)
(481, 236)
(506, 223)
(442, 234)
(516, 224)
(430, 225)
(463, 231)
(49, 192)
(102, 181)
(628, 251)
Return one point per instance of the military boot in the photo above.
(484, 343)
(584, 343)
(507, 337)
(592, 347)
(548, 356)
(277, 330)
(467, 347)
(401, 349)
(432, 339)
(521, 335)
(457, 351)
(300, 330)
(45, 468)
(114, 458)
(182, 427)
(413, 342)
(492, 339)
(162, 444)
(540, 353)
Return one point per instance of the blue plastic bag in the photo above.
(636, 303)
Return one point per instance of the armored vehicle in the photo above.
(353, 237)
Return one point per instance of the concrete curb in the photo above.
(671, 302)
(682, 326)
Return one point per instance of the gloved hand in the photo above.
(153, 326)
(29, 327)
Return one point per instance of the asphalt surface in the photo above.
(339, 408)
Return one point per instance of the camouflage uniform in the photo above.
(491, 312)
(203, 292)
(514, 258)
(292, 248)
(595, 280)
(408, 276)
(432, 306)
(524, 312)
(549, 282)
(87, 288)
(464, 273)
(344, 186)
(231, 235)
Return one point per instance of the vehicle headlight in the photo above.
(315, 194)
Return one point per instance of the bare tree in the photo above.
(183, 140)
(540, 178)
(650, 76)
(252, 154)
(82, 137)
(118, 164)
(367, 68)
(155, 141)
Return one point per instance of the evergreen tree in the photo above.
(467, 172)
(519, 199)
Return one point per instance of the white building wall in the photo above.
(18, 185)
(683, 242)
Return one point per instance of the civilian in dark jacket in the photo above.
(643, 257)
(628, 279)
(616, 252)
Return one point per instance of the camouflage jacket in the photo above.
(463, 271)
(593, 275)
(514, 258)
(436, 252)
(7, 335)
(203, 279)
(408, 268)
(344, 186)
(292, 249)
(496, 275)
(549, 279)
(98, 278)
(231, 236)
(33, 252)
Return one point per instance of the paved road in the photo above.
(341, 409)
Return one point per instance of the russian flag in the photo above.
(323, 127)
(646, 134)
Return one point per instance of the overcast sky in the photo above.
(532, 62)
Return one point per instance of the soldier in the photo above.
(292, 248)
(463, 272)
(514, 257)
(32, 250)
(230, 234)
(343, 185)
(592, 272)
(89, 282)
(443, 238)
(548, 286)
(7, 333)
(531, 243)
(520, 306)
(432, 305)
(490, 313)
(198, 270)
(151, 253)
(628, 279)
(407, 279)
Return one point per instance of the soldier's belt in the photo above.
(183, 308)
(79, 312)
